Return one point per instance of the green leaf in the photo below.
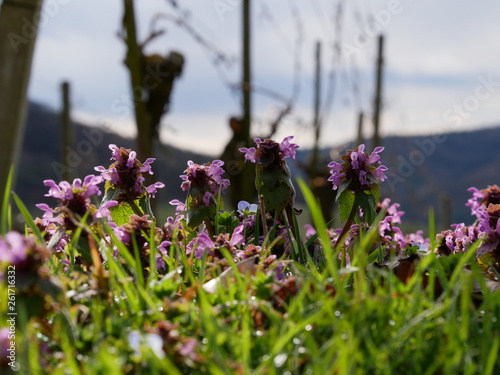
(197, 213)
(110, 194)
(346, 202)
(121, 213)
(342, 188)
(375, 191)
(276, 187)
(368, 204)
(227, 222)
(144, 204)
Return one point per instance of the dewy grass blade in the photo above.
(321, 229)
(27, 216)
(6, 210)
(492, 356)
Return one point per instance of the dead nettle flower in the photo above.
(483, 197)
(74, 201)
(202, 243)
(359, 169)
(387, 226)
(273, 177)
(204, 180)
(23, 253)
(204, 184)
(488, 226)
(456, 240)
(270, 153)
(126, 175)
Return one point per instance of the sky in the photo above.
(441, 65)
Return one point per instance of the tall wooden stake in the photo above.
(67, 136)
(18, 32)
(317, 101)
(359, 139)
(378, 94)
(247, 73)
(144, 131)
(246, 177)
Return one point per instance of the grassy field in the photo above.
(134, 297)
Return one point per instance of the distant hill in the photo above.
(422, 169)
(41, 157)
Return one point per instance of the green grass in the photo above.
(323, 320)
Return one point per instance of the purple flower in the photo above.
(458, 240)
(172, 225)
(126, 174)
(310, 231)
(13, 248)
(188, 348)
(237, 237)
(206, 177)
(163, 250)
(359, 169)
(269, 152)
(180, 206)
(4, 343)
(204, 184)
(200, 245)
(485, 197)
(74, 199)
(21, 251)
(475, 201)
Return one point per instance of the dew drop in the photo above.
(280, 359)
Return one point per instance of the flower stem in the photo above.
(135, 208)
(210, 227)
(345, 229)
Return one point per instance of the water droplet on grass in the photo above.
(280, 359)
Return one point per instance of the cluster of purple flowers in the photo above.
(358, 169)
(126, 174)
(457, 240)
(387, 226)
(269, 152)
(22, 252)
(485, 206)
(203, 183)
(74, 201)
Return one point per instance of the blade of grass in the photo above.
(5, 222)
(319, 222)
(27, 216)
(492, 357)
